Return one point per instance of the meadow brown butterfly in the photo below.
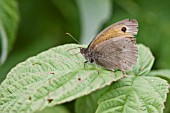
(114, 47)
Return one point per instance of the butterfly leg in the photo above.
(85, 64)
(124, 74)
(97, 69)
(98, 72)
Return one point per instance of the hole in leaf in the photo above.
(29, 98)
(79, 79)
(49, 100)
(52, 73)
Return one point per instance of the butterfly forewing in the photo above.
(126, 28)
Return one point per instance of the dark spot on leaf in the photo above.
(49, 100)
(34, 64)
(79, 79)
(52, 73)
(143, 109)
(123, 29)
(29, 98)
(124, 75)
(49, 81)
(98, 72)
(123, 46)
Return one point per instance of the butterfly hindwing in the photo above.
(116, 53)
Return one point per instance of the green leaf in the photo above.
(167, 104)
(55, 109)
(88, 104)
(52, 77)
(93, 14)
(145, 60)
(8, 26)
(140, 94)
(164, 73)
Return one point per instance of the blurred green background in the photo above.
(44, 23)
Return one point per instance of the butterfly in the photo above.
(114, 47)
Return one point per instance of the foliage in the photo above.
(42, 25)
(52, 77)
(58, 75)
(55, 109)
(8, 26)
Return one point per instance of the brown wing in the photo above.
(124, 28)
(117, 53)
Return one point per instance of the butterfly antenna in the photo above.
(73, 38)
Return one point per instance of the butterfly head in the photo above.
(87, 54)
(83, 51)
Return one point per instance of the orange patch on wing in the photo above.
(111, 33)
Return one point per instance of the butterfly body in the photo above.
(115, 47)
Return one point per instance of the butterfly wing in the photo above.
(124, 28)
(116, 53)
